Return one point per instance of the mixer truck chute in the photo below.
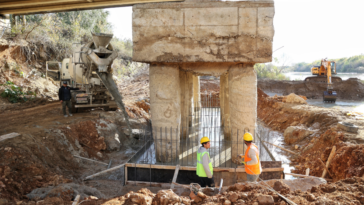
(89, 69)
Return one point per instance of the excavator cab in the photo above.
(315, 70)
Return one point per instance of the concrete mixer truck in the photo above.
(89, 69)
(83, 70)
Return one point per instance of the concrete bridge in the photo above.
(184, 40)
(21, 7)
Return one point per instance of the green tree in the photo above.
(270, 70)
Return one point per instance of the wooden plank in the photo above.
(175, 176)
(90, 160)
(138, 183)
(77, 199)
(308, 172)
(282, 148)
(126, 174)
(70, 7)
(188, 168)
(271, 164)
(154, 184)
(325, 168)
(163, 167)
(105, 171)
(332, 153)
(263, 170)
(9, 136)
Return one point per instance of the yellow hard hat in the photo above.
(248, 137)
(204, 139)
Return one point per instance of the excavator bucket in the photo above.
(330, 96)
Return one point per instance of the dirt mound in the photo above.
(249, 194)
(293, 98)
(351, 89)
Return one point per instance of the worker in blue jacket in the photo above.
(64, 95)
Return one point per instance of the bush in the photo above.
(14, 93)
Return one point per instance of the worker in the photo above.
(253, 168)
(204, 168)
(64, 95)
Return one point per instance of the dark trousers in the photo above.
(204, 181)
(69, 105)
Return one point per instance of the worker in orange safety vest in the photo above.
(253, 168)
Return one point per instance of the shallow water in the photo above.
(274, 137)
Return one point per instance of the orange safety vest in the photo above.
(255, 168)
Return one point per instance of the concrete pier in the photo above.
(242, 103)
(188, 39)
(165, 98)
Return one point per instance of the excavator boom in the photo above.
(330, 95)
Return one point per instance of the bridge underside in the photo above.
(48, 6)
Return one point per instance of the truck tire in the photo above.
(74, 109)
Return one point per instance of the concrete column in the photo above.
(224, 105)
(196, 91)
(165, 99)
(196, 101)
(243, 104)
(186, 85)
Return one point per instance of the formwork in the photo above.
(145, 169)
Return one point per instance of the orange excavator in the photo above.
(324, 74)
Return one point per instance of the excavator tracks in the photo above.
(322, 79)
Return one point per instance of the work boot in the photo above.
(65, 115)
(70, 114)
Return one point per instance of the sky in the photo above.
(308, 29)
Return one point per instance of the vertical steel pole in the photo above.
(177, 146)
(219, 149)
(165, 144)
(161, 147)
(171, 148)
(237, 142)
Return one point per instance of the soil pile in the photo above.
(293, 98)
(351, 89)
